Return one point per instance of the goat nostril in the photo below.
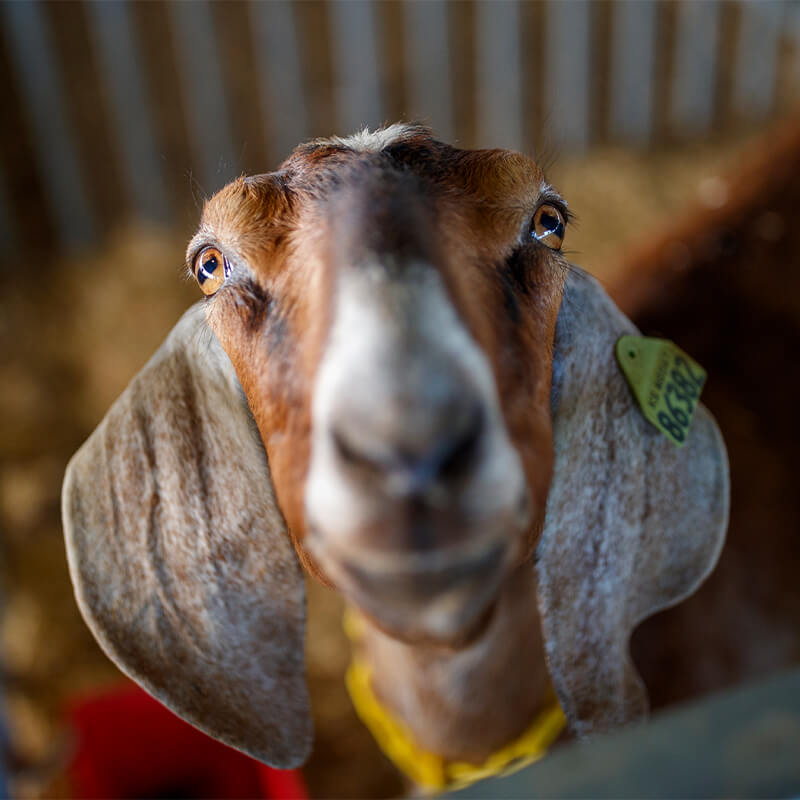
(352, 455)
(457, 453)
(412, 471)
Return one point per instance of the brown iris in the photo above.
(210, 269)
(548, 226)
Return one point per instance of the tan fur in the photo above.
(179, 533)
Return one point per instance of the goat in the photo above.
(398, 383)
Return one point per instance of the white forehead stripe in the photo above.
(368, 141)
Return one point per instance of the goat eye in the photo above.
(548, 226)
(210, 269)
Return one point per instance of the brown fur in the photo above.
(482, 201)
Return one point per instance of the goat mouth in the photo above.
(427, 575)
(434, 597)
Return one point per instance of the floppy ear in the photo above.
(633, 525)
(179, 555)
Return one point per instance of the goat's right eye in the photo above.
(548, 226)
(210, 269)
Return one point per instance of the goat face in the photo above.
(390, 315)
(389, 307)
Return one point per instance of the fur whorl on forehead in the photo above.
(367, 141)
(307, 158)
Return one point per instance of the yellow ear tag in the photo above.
(665, 381)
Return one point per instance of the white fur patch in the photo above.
(368, 141)
(362, 357)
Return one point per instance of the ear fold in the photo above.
(179, 556)
(634, 524)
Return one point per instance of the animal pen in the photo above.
(121, 109)
(671, 129)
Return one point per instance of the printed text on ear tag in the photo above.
(665, 381)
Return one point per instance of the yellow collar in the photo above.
(429, 770)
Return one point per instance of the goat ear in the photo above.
(179, 555)
(633, 525)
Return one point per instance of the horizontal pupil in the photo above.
(207, 269)
(548, 222)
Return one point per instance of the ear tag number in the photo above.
(665, 381)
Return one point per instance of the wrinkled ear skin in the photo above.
(179, 555)
(633, 523)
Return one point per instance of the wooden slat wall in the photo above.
(498, 65)
(203, 89)
(567, 81)
(695, 66)
(116, 109)
(756, 65)
(430, 75)
(8, 238)
(132, 124)
(32, 56)
(631, 81)
(357, 91)
(281, 90)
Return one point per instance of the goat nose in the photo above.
(411, 461)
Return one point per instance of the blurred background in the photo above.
(121, 110)
(119, 118)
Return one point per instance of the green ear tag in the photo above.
(666, 382)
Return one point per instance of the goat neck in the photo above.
(467, 702)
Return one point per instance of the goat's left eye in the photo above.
(548, 226)
(210, 268)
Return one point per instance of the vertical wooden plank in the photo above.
(391, 44)
(8, 237)
(131, 115)
(239, 69)
(86, 106)
(632, 70)
(567, 79)
(207, 113)
(666, 29)
(788, 81)
(463, 54)
(498, 65)
(355, 65)
(154, 42)
(427, 57)
(316, 49)
(30, 210)
(792, 27)
(729, 19)
(279, 74)
(696, 42)
(32, 57)
(532, 30)
(601, 30)
(755, 74)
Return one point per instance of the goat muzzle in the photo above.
(409, 466)
(416, 516)
(416, 502)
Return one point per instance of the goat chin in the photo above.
(442, 596)
(461, 639)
